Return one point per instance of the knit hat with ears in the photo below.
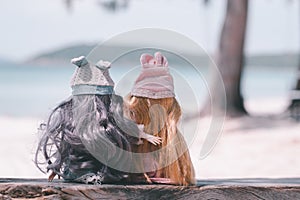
(155, 80)
(91, 78)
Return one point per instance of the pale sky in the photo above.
(33, 26)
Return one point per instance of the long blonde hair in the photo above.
(160, 118)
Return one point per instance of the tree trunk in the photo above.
(230, 59)
(294, 107)
(295, 100)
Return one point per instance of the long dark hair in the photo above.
(81, 136)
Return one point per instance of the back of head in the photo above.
(153, 113)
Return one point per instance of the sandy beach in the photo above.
(253, 147)
(265, 147)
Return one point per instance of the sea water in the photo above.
(32, 91)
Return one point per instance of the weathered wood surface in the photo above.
(205, 189)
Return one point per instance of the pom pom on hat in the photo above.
(90, 78)
(155, 80)
(80, 61)
(158, 60)
(103, 65)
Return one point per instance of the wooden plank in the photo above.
(205, 189)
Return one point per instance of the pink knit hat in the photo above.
(155, 80)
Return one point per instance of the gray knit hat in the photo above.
(91, 79)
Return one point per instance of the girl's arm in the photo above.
(150, 138)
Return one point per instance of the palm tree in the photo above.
(295, 99)
(294, 107)
(230, 59)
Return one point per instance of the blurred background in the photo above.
(255, 45)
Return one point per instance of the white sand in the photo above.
(18, 139)
(248, 147)
(252, 147)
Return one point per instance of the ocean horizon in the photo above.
(32, 91)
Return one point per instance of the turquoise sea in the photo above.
(31, 91)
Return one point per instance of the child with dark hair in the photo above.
(86, 138)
